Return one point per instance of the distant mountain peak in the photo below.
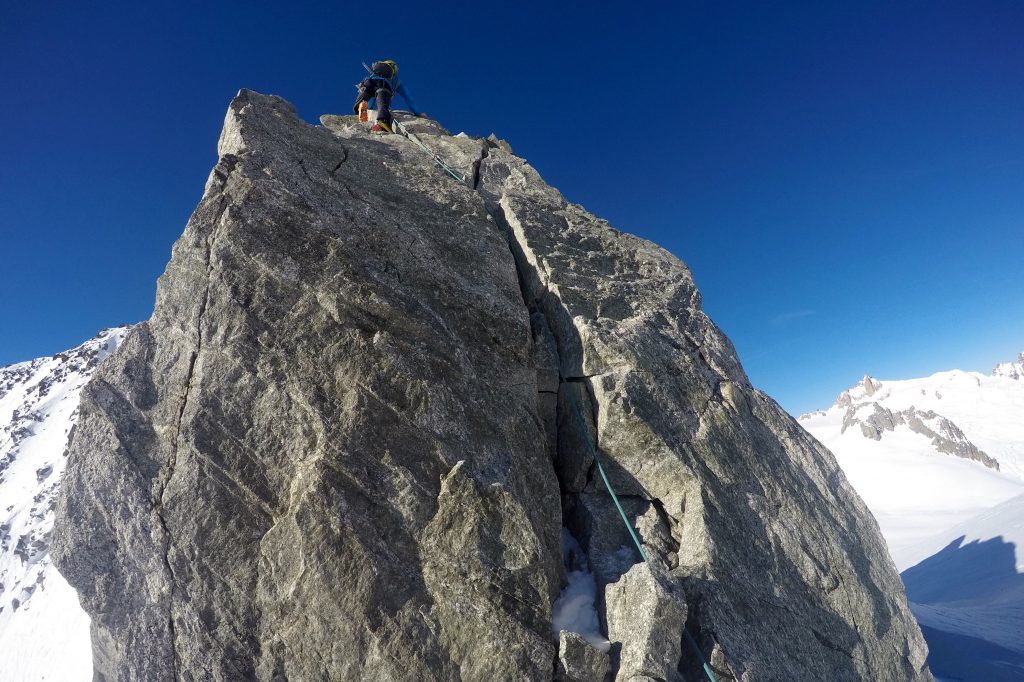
(865, 388)
(870, 385)
(1011, 370)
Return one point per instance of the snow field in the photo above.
(44, 633)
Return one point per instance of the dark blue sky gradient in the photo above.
(845, 180)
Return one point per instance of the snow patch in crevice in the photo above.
(575, 609)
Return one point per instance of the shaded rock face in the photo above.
(647, 615)
(578, 661)
(345, 444)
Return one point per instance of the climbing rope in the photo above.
(604, 477)
(437, 159)
(696, 649)
(625, 520)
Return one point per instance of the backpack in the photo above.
(385, 69)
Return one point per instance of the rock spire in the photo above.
(342, 446)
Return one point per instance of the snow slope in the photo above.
(940, 463)
(971, 577)
(967, 593)
(915, 488)
(44, 634)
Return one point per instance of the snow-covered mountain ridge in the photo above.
(969, 409)
(940, 463)
(929, 453)
(44, 633)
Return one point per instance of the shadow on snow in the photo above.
(978, 573)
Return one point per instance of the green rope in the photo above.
(604, 477)
(625, 520)
(696, 650)
(437, 159)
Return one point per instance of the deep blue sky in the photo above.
(845, 180)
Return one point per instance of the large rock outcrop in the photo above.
(346, 442)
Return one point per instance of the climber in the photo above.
(383, 84)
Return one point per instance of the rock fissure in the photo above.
(690, 664)
(343, 160)
(484, 153)
(194, 354)
(583, 378)
(578, 400)
(526, 271)
(670, 523)
(363, 200)
(175, 441)
(825, 641)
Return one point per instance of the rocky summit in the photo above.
(368, 401)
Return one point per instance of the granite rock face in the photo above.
(646, 615)
(578, 661)
(346, 442)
